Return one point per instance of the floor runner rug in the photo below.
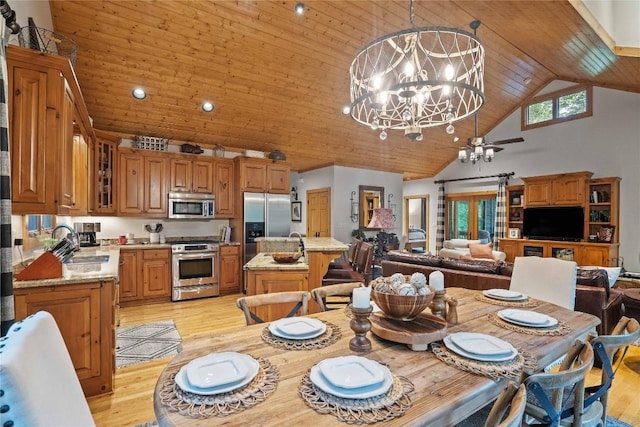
(145, 342)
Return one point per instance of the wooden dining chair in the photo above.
(251, 305)
(360, 274)
(548, 279)
(325, 295)
(557, 398)
(625, 333)
(512, 399)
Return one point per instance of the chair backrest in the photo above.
(365, 258)
(39, 383)
(402, 241)
(549, 388)
(321, 293)
(548, 279)
(512, 398)
(352, 255)
(246, 304)
(625, 333)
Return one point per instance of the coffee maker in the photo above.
(87, 233)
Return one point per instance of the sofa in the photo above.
(459, 248)
(593, 292)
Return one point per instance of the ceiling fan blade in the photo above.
(507, 141)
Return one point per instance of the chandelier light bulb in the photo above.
(409, 68)
(375, 124)
(448, 72)
(383, 135)
(377, 82)
(406, 115)
(478, 151)
(462, 155)
(450, 129)
(446, 90)
(489, 154)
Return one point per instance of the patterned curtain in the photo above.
(501, 212)
(7, 312)
(440, 219)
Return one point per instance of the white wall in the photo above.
(607, 144)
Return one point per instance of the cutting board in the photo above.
(417, 333)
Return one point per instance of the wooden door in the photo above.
(131, 184)
(223, 189)
(319, 212)
(202, 177)
(155, 186)
(181, 175)
(128, 274)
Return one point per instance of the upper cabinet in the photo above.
(556, 190)
(263, 176)
(143, 183)
(193, 176)
(44, 101)
(223, 188)
(104, 196)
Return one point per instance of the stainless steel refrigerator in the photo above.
(265, 215)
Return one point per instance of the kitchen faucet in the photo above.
(75, 237)
(300, 243)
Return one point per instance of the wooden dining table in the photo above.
(443, 395)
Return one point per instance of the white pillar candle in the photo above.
(361, 297)
(436, 279)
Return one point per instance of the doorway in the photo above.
(319, 212)
(471, 216)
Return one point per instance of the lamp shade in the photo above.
(382, 218)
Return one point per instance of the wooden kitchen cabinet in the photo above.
(193, 176)
(145, 276)
(104, 161)
(224, 188)
(142, 184)
(44, 101)
(261, 282)
(556, 190)
(278, 179)
(84, 313)
(80, 206)
(229, 269)
(263, 176)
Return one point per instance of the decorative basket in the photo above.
(150, 143)
(286, 257)
(402, 307)
(47, 41)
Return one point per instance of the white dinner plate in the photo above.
(482, 344)
(352, 371)
(216, 369)
(297, 328)
(323, 384)
(504, 294)
(483, 358)
(527, 318)
(253, 366)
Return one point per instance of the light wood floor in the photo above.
(131, 402)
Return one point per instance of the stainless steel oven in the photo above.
(195, 270)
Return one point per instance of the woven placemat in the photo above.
(393, 404)
(530, 302)
(510, 369)
(330, 336)
(560, 328)
(199, 406)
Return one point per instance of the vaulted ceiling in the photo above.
(279, 80)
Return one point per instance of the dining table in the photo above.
(437, 393)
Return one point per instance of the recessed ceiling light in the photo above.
(139, 93)
(299, 8)
(207, 106)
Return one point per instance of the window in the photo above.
(556, 107)
(36, 229)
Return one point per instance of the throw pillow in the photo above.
(481, 250)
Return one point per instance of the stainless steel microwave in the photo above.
(191, 205)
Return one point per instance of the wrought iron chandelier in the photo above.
(417, 78)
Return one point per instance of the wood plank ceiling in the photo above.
(279, 80)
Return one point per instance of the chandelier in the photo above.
(417, 78)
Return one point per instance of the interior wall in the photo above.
(607, 144)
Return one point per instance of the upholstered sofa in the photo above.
(593, 293)
(461, 248)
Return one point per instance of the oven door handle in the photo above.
(195, 255)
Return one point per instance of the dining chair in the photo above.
(39, 384)
(402, 242)
(248, 304)
(512, 399)
(322, 294)
(557, 398)
(361, 272)
(625, 333)
(548, 279)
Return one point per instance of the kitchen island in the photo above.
(84, 304)
(264, 275)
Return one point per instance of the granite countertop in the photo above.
(81, 273)
(264, 261)
(311, 244)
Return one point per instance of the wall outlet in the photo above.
(17, 242)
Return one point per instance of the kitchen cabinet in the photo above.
(84, 313)
(263, 176)
(145, 276)
(261, 282)
(193, 176)
(44, 101)
(80, 205)
(556, 190)
(224, 188)
(229, 269)
(143, 186)
(104, 161)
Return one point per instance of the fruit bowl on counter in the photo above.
(286, 257)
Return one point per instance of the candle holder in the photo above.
(437, 305)
(360, 324)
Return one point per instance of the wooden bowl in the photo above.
(286, 257)
(402, 307)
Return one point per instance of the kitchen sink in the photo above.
(90, 259)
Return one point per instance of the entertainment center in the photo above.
(568, 216)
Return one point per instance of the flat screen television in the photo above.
(554, 223)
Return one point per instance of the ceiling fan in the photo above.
(478, 149)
